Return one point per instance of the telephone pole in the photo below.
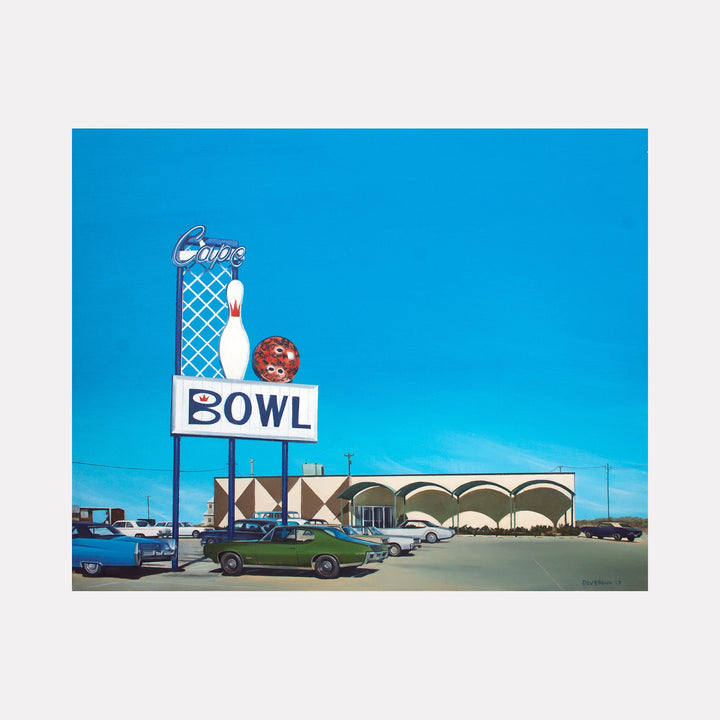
(348, 456)
(607, 481)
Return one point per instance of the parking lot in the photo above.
(463, 563)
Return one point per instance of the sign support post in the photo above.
(231, 488)
(284, 512)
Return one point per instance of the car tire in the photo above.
(617, 536)
(139, 535)
(92, 569)
(631, 538)
(588, 535)
(196, 534)
(231, 563)
(431, 537)
(327, 567)
(394, 549)
(210, 541)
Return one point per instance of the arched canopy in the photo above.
(353, 490)
(473, 484)
(527, 484)
(404, 491)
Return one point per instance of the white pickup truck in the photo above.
(137, 528)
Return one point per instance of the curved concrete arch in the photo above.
(540, 481)
(466, 487)
(431, 501)
(487, 501)
(548, 502)
(353, 490)
(404, 491)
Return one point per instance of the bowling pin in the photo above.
(234, 344)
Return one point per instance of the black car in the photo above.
(244, 530)
(615, 530)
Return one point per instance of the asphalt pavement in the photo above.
(462, 563)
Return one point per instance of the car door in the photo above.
(280, 549)
(306, 546)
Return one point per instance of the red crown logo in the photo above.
(204, 398)
(235, 309)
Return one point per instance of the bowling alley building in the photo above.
(475, 499)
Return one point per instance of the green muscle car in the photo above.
(324, 550)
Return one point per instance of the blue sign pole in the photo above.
(176, 439)
(231, 488)
(284, 511)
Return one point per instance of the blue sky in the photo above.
(466, 301)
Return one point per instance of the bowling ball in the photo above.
(276, 359)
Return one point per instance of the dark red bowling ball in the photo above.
(276, 359)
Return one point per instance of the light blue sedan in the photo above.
(96, 546)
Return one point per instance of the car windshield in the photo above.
(351, 530)
(374, 531)
(103, 531)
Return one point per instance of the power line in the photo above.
(123, 467)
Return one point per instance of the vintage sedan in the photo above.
(396, 544)
(322, 549)
(428, 531)
(614, 530)
(185, 529)
(97, 545)
(243, 530)
(137, 528)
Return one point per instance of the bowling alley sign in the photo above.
(275, 408)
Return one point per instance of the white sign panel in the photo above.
(239, 409)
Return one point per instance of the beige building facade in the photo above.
(493, 499)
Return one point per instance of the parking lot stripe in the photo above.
(549, 575)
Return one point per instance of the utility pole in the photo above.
(251, 467)
(348, 456)
(148, 500)
(607, 480)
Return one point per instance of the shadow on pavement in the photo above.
(131, 573)
(269, 572)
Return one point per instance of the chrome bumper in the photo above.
(373, 556)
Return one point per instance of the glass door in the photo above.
(377, 515)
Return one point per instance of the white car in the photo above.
(137, 528)
(185, 529)
(429, 532)
(396, 544)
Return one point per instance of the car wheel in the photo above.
(616, 536)
(394, 549)
(327, 567)
(588, 535)
(196, 534)
(431, 537)
(92, 569)
(209, 541)
(139, 535)
(231, 563)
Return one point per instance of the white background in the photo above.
(370, 64)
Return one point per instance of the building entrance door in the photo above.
(376, 515)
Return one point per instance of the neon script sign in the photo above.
(194, 246)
